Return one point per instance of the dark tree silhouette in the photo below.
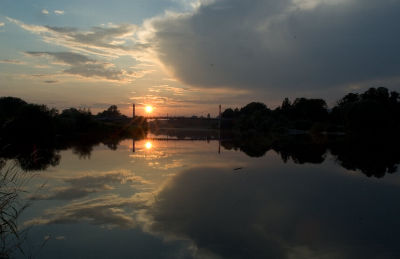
(373, 111)
(111, 112)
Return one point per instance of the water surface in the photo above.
(159, 198)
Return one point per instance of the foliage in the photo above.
(375, 110)
(73, 120)
(111, 112)
(32, 134)
(26, 121)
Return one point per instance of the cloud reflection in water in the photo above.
(287, 213)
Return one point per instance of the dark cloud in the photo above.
(11, 61)
(97, 36)
(288, 212)
(51, 81)
(84, 66)
(282, 44)
(69, 58)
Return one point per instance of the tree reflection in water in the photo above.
(39, 154)
(17, 158)
(373, 156)
(289, 213)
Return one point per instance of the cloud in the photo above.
(80, 187)
(108, 210)
(280, 45)
(51, 81)
(252, 216)
(267, 47)
(100, 38)
(84, 66)
(2, 24)
(108, 41)
(59, 12)
(37, 29)
(66, 57)
(44, 11)
(12, 61)
(111, 40)
(178, 97)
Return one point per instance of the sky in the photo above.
(185, 57)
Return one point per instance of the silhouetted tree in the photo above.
(10, 107)
(73, 120)
(310, 109)
(254, 116)
(31, 122)
(374, 110)
(111, 112)
(228, 114)
(286, 105)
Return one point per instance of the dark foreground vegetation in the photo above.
(375, 111)
(19, 118)
(33, 134)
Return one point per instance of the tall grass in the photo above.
(12, 181)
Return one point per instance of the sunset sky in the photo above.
(186, 57)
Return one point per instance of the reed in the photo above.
(12, 181)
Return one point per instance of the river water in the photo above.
(167, 198)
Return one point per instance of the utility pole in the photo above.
(219, 130)
(133, 110)
(220, 117)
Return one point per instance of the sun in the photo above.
(148, 109)
(148, 145)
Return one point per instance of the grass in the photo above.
(12, 205)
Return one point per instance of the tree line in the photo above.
(24, 121)
(375, 110)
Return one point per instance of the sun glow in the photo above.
(148, 145)
(148, 109)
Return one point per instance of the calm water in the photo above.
(184, 199)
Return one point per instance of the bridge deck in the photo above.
(185, 139)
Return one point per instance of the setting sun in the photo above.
(148, 145)
(149, 109)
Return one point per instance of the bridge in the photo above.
(159, 117)
(178, 118)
